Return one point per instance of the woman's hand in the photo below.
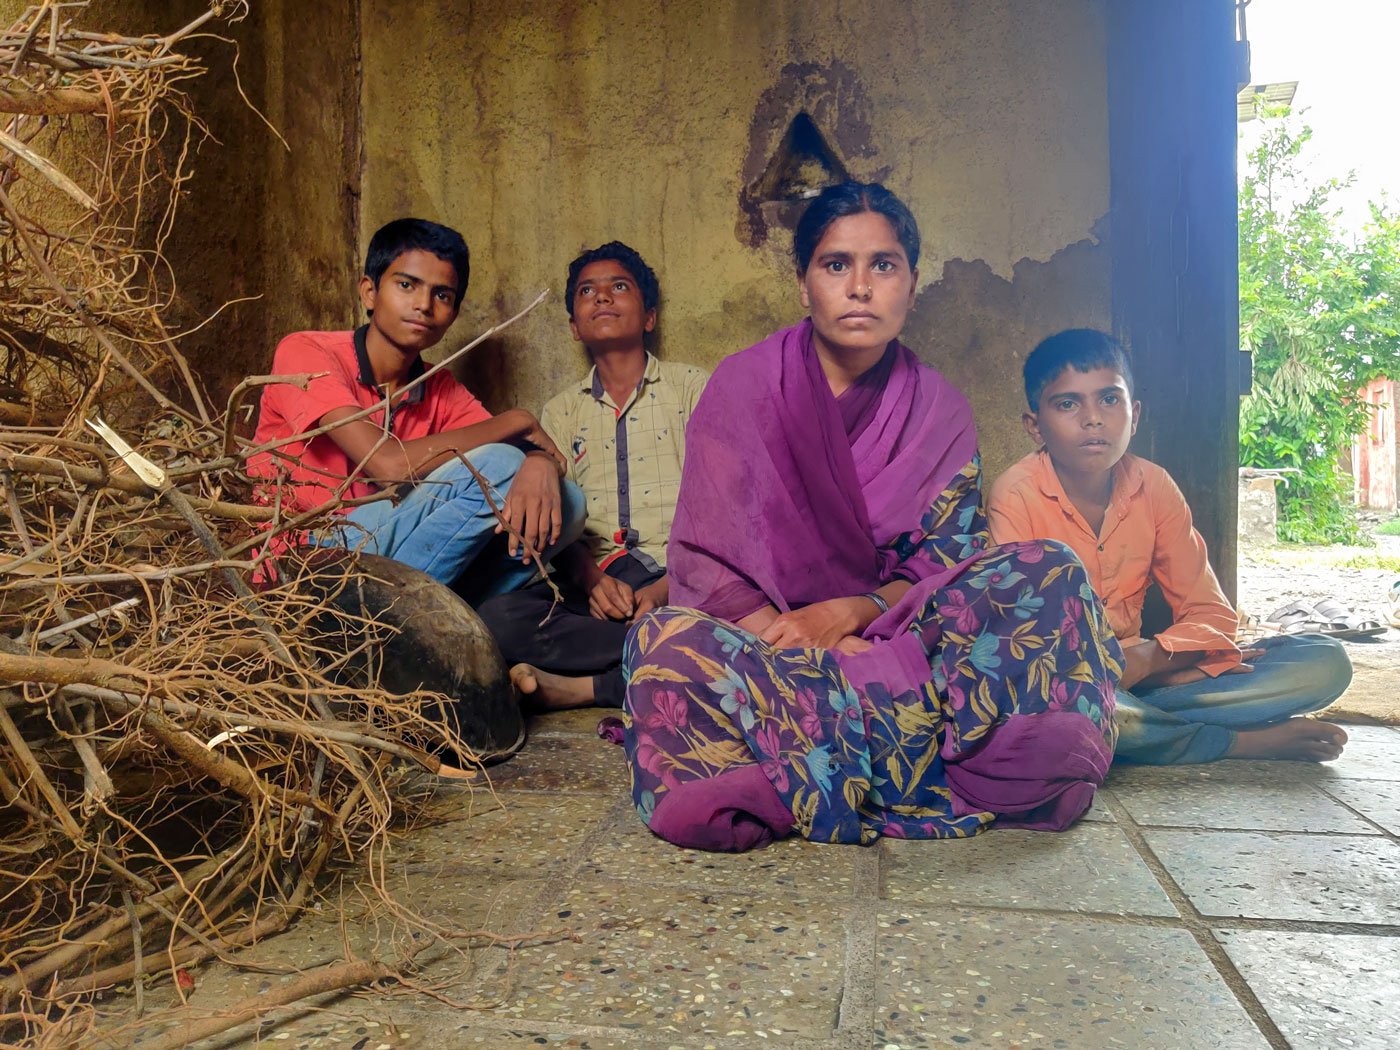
(652, 596)
(852, 644)
(821, 625)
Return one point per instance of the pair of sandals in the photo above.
(1326, 616)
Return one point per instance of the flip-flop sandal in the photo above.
(1337, 621)
(1294, 618)
(1395, 604)
(1249, 628)
(1284, 610)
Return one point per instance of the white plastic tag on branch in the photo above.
(144, 469)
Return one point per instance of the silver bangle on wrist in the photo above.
(880, 602)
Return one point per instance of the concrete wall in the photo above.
(542, 126)
(263, 218)
(1172, 128)
(538, 128)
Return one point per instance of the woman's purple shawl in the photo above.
(778, 508)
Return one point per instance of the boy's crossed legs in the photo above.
(445, 522)
(563, 656)
(1253, 715)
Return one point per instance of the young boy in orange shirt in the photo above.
(1189, 694)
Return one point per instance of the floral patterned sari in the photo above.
(987, 693)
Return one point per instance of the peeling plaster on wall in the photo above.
(540, 128)
(836, 100)
(977, 329)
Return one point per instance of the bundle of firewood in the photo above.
(184, 745)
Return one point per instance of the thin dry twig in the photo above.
(492, 497)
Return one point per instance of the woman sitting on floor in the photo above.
(846, 656)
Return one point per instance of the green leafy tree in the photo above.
(1318, 311)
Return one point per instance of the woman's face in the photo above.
(859, 285)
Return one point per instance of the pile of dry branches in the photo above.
(180, 756)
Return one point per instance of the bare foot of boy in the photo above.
(550, 692)
(1301, 739)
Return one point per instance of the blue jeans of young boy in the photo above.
(445, 523)
(1197, 722)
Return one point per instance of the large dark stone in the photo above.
(436, 642)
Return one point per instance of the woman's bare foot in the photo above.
(1301, 739)
(550, 692)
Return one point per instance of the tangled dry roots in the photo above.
(180, 756)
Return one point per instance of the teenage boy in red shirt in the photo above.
(414, 281)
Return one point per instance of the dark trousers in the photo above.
(573, 642)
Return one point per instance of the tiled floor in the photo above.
(1235, 905)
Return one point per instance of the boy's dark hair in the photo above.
(853, 198)
(628, 259)
(405, 235)
(1082, 349)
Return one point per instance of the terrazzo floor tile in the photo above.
(577, 765)
(1379, 800)
(1252, 771)
(1372, 753)
(452, 1030)
(1324, 878)
(987, 979)
(1099, 813)
(684, 963)
(793, 865)
(1220, 796)
(580, 721)
(514, 835)
(1091, 867)
(1334, 991)
(477, 1035)
(322, 937)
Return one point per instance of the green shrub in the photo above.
(1319, 316)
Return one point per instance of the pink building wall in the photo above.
(1373, 454)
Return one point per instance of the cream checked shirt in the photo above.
(628, 458)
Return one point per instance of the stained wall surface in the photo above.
(539, 128)
(264, 239)
(271, 209)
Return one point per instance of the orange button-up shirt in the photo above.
(1146, 535)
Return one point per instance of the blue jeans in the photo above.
(444, 523)
(1197, 722)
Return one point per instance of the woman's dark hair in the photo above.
(628, 259)
(853, 198)
(1083, 349)
(406, 235)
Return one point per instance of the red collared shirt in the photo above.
(315, 469)
(1146, 535)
